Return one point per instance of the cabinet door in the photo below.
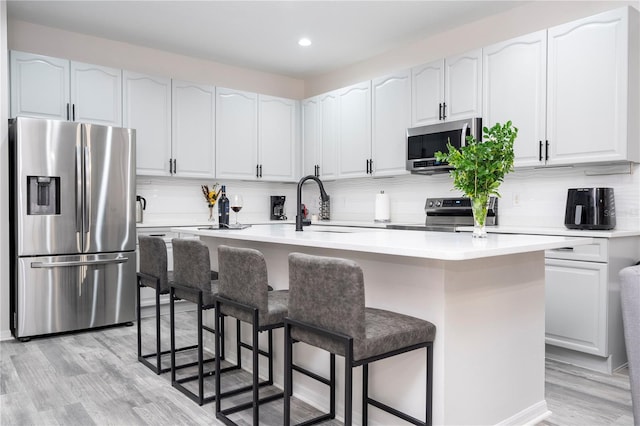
(514, 88)
(236, 134)
(391, 105)
(587, 89)
(193, 129)
(463, 86)
(427, 85)
(329, 134)
(576, 305)
(310, 136)
(355, 130)
(278, 147)
(96, 94)
(39, 86)
(147, 108)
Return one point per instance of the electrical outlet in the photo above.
(516, 199)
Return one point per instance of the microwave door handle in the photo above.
(463, 135)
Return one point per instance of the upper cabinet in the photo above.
(236, 134)
(256, 136)
(592, 89)
(147, 108)
(514, 88)
(354, 134)
(193, 129)
(60, 89)
(277, 136)
(320, 135)
(447, 89)
(391, 116)
(551, 84)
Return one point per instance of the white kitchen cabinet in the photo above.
(193, 129)
(576, 309)
(447, 89)
(256, 136)
(592, 89)
(514, 88)
(236, 134)
(391, 116)
(54, 88)
(354, 131)
(320, 135)
(311, 147)
(147, 108)
(278, 139)
(583, 315)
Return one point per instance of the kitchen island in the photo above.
(486, 298)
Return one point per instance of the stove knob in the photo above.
(430, 203)
(438, 203)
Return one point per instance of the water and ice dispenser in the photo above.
(43, 195)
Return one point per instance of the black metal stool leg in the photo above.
(158, 354)
(173, 335)
(365, 394)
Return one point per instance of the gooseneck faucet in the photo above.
(323, 195)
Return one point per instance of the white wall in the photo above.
(529, 17)
(4, 184)
(49, 41)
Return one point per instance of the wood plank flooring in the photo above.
(94, 378)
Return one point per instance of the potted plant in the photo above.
(480, 167)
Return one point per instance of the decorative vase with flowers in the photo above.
(480, 168)
(211, 195)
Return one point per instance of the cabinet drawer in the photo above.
(596, 252)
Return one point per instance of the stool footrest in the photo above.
(247, 405)
(311, 374)
(317, 420)
(391, 410)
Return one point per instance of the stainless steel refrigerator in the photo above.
(73, 235)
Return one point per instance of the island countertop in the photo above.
(419, 244)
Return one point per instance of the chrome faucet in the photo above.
(323, 195)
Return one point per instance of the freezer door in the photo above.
(45, 156)
(109, 193)
(64, 293)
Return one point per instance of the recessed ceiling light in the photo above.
(304, 42)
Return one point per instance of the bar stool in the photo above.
(153, 274)
(193, 283)
(327, 310)
(244, 294)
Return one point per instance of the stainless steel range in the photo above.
(445, 214)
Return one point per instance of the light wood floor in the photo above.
(94, 378)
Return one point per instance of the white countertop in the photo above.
(421, 244)
(614, 233)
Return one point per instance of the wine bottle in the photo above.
(223, 209)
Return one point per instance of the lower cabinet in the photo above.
(583, 315)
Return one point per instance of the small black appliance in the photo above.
(277, 207)
(590, 208)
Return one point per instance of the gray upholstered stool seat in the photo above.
(244, 293)
(630, 298)
(153, 274)
(327, 310)
(192, 283)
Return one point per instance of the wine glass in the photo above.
(236, 205)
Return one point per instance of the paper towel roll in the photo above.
(383, 210)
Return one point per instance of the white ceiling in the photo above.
(261, 35)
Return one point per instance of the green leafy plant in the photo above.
(480, 166)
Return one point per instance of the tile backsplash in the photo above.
(532, 197)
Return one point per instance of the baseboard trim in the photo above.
(529, 416)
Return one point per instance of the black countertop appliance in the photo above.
(590, 208)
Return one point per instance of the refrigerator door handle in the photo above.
(79, 189)
(86, 194)
(78, 263)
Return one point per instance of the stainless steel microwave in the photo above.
(423, 142)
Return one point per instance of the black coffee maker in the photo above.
(277, 207)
